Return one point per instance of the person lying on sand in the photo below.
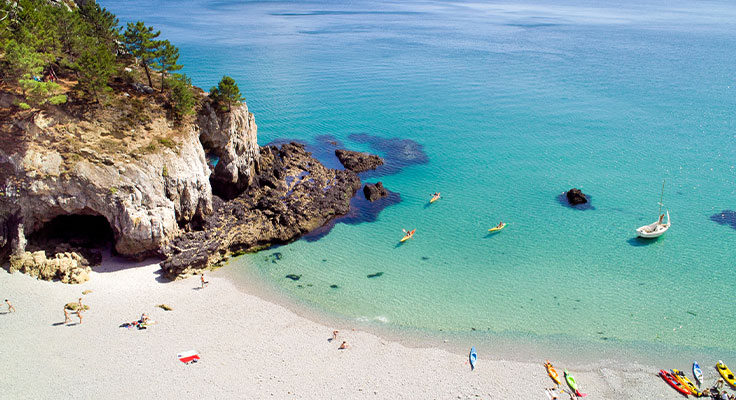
(343, 346)
(10, 306)
(144, 319)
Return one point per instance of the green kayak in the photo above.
(571, 381)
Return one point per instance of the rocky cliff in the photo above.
(146, 176)
(129, 172)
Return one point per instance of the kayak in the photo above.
(552, 372)
(673, 382)
(434, 198)
(497, 228)
(726, 373)
(680, 376)
(697, 372)
(472, 357)
(573, 384)
(408, 235)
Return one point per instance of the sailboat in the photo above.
(657, 228)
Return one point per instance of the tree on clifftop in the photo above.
(226, 94)
(166, 60)
(140, 41)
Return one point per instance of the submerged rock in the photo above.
(376, 275)
(725, 217)
(374, 192)
(575, 197)
(294, 277)
(357, 161)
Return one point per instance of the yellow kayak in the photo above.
(408, 235)
(680, 376)
(552, 372)
(434, 198)
(726, 373)
(497, 228)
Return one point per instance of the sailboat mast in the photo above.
(661, 197)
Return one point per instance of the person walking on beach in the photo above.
(79, 314)
(81, 306)
(10, 306)
(66, 316)
(204, 283)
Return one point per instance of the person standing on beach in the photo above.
(81, 307)
(79, 314)
(334, 334)
(204, 283)
(66, 316)
(10, 306)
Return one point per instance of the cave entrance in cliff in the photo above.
(74, 230)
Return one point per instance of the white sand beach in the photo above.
(250, 348)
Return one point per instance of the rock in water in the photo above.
(575, 197)
(357, 161)
(374, 192)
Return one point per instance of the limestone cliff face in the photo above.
(232, 137)
(150, 185)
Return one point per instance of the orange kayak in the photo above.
(552, 372)
(408, 235)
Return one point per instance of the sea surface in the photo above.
(512, 103)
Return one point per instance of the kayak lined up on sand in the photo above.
(685, 381)
(669, 378)
(409, 235)
(573, 384)
(697, 373)
(552, 372)
(726, 373)
(472, 358)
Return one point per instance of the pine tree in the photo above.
(94, 68)
(168, 55)
(182, 97)
(140, 41)
(226, 94)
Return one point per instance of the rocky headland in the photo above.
(130, 172)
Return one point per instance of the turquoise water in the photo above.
(513, 103)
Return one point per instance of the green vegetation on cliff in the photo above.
(52, 52)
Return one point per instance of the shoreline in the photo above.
(250, 347)
(511, 346)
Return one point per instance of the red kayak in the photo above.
(669, 378)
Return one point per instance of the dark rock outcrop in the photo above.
(374, 192)
(292, 194)
(357, 161)
(575, 197)
(725, 217)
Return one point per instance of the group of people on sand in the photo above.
(717, 391)
(80, 309)
(343, 345)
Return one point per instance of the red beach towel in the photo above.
(188, 356)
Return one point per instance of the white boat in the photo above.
(655, 229)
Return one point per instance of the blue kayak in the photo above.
(473, 357)
(697, 372)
